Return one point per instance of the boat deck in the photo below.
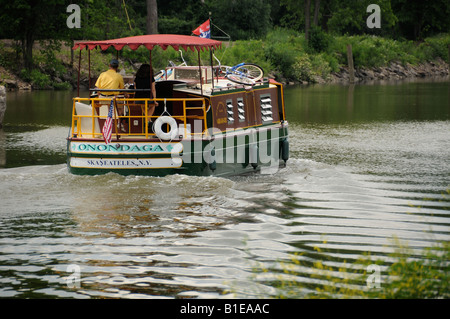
(219, 86)
(186, 101)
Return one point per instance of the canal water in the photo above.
(369, 164)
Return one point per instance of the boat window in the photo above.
(191, 73)
(241, 109)
(230, 113)
(266, 108)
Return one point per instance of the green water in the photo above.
(344, 104)
(368, 163)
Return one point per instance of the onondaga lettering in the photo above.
(126, 148)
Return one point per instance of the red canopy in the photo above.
(152, 40)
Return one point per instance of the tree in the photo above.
(106, 19)
(316, 12)
(292, 6)
(349, 16)
(152, 17)
(181, 16)
(243, 19)
(308, 16)
(32, 20)
(418, 19)
(307, 19)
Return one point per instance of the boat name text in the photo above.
(121, 148)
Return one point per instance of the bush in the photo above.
(282, 47)
(252, 51)
(437, 46)
(374, 51)
(302, 69)
(283, 53)
(321, 65)
(318, 39)
(63, 86)
(36, 78)
(7, 56)
(405, 276)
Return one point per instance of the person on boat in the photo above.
(144, 76)
(110, 80)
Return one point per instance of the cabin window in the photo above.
(266, 108)
(241, 109)
(230, 113)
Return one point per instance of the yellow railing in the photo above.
(86, 113)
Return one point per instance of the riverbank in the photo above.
(394, 71)
(2, 104)
(283, 54)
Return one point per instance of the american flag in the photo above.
(107, 127)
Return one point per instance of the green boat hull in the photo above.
(241, 152)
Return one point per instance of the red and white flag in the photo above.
(204, 30)
(107, 127)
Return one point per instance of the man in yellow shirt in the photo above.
(110, 79)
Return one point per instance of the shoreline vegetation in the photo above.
(407, 273)
(282, 53)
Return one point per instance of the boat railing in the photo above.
(195, 74)
(130, 116)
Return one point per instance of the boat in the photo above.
(204, 124)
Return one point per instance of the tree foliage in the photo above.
(418, 19)
(28, 21)
(243, 19)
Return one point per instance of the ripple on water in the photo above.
(200, 237)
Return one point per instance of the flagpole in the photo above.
(210, 23)
(115, 118)
(227, 35)
(211, 53)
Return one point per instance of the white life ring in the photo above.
(172, 133)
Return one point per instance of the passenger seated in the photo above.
(144, 76)
(110, 80)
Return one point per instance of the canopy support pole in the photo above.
(200, 72)
(212, 67)
(89, 62)
(151, 73)
(79, 71)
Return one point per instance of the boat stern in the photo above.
(126, 158)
